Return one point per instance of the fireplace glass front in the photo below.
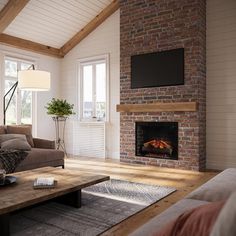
(157, 140)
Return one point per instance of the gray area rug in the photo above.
(103, 206)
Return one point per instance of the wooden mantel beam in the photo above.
(29, 45)
(93, 24)
(10, 11)
(158, 107)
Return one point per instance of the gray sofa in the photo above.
(42, 153)
(218, 188)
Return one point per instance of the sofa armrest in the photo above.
(43, 143)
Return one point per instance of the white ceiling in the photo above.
(53, 22)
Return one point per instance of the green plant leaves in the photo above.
(59, 107)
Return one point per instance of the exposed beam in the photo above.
(29, 45)
(93, 24)
(10, 11)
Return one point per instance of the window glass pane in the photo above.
(26, 100)
(10, 68)
(25, 66)
(26, 108)
(100, 90)
(11, 111)
(87, 91)
(101, 82)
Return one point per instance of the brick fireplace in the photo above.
(159, 25)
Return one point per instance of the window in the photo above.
(94, 88)
(20, 107)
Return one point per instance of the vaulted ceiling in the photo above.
(51, 27)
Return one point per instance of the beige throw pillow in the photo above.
(225, 222)
(22, 129)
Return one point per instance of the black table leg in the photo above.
(5, 225)
(71, 199)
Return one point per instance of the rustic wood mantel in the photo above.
(157, 107)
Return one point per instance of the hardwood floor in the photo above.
(184, 181)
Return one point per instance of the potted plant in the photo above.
(59, 108)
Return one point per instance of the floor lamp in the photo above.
(31, 80)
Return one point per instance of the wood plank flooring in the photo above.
(184, 181)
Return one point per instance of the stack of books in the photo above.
(44, 182)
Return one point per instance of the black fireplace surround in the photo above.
(156, 140)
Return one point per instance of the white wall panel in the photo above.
(104, 40)
(221, 84)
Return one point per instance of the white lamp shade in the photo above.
(34, 80)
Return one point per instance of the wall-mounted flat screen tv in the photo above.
(165, 68)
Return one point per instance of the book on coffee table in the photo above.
(44, 182)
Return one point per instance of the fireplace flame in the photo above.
(158, 144)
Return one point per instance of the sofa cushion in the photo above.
(22, 129)
(198, 220)
(39, 155)
(156, 223)
(218, 188)
(16, 144)
(225, 223)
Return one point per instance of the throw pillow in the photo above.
(225, 223)
(17, 144)
(6, 137)
(197, 221)
(22, 129)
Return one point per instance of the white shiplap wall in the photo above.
(221, 84)
(104, 40)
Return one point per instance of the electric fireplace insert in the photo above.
(157, 140)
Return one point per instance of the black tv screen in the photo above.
(157, 69)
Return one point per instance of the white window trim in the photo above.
(27, 59)
(89, 60)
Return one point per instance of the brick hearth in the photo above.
(157, 25)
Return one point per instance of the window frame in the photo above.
(19, 60)
(91, 61)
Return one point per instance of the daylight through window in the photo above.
(93, 83)
(20, 107)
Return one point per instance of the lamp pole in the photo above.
(5, 107)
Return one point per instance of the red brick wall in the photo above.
(157, 25)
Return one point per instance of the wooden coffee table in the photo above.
(21, 194)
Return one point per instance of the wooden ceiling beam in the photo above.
(93, 24)
(10, 11)
(29, 45)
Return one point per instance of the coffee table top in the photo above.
(21, 194)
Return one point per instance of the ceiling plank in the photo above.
(29, 45)
(93, 24)
(10, 11)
